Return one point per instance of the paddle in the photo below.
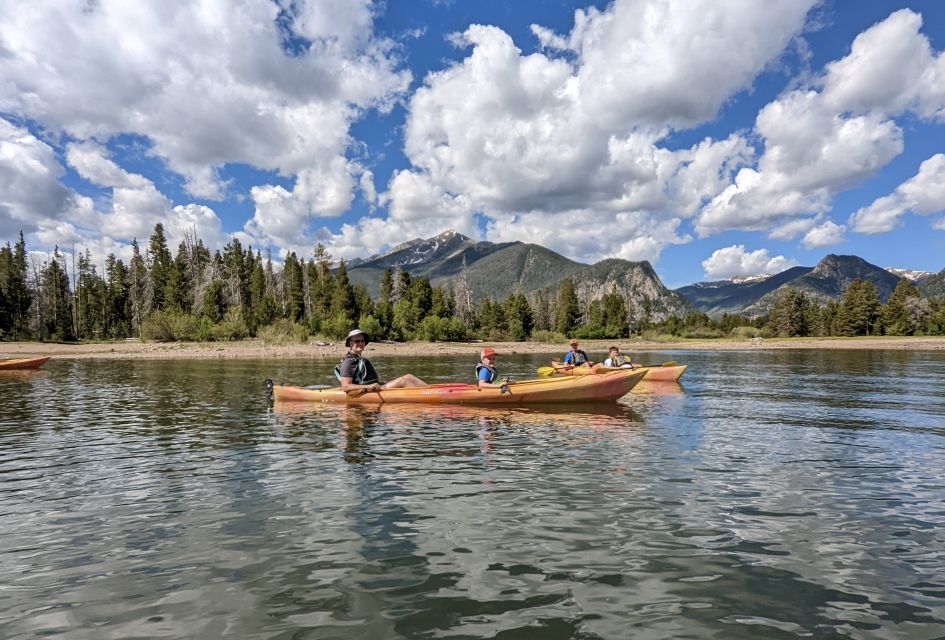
(669, 363)
(547, 371)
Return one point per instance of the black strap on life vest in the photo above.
(360, 369)
(493, 372)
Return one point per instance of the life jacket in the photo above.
(493, 372)
(360, 369)
(577, 357)
(619, 361)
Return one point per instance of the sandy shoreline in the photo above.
(595, 348)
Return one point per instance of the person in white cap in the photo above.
(356, 372)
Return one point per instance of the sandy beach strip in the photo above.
(128, 349)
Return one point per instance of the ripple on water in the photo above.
(772, 494)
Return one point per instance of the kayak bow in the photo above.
(9, 364)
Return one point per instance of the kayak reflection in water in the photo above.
(487, 374)
(356, 372)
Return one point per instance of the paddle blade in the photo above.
(545, 371)
(671, 363)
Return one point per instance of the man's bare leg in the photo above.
(404, 381)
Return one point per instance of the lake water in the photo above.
(773, 494)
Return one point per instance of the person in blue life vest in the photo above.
(616, 359)
(356, 372)
(486, 373)
(576, 357)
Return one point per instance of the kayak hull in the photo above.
(10, 364)
(670, 373)
(606, 387)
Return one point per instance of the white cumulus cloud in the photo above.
(732, 261)
(270, 84)
(834, 134)
(824, 235)
(529, 140)
(30, 192)
(923, 193)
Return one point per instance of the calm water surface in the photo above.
(771, 495)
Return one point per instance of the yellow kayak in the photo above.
(664, 373)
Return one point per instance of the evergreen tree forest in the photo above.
(195, 294)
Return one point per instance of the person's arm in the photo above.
(483, 380)
(347, 384)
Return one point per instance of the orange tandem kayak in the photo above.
(671, 373)
(22, 363)
(606, 387)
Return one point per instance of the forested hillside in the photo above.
(235, 293)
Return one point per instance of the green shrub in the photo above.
(283, 331)
(591, 332)
(432, 329)
(549, 337)
(651, 335)
(456, 330)
(337, 327)
(231, 327)
(702, 333)
(170, 326)
(745, 333)
(157, 327)
(371, 326)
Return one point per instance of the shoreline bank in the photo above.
(254, 349)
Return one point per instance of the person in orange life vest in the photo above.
(356, 372)
(486, 373)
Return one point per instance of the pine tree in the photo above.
(117, 320)
(614, 309)
(264, 308)
(138, 289)
(894, 316)
(789, 315)
(16, 292)
(178, 294)
(160, 266)
(58, 299)
(342, 297)
(293, 293)
(519, 320)
(567, 312)
(858, 310)
(89, 299)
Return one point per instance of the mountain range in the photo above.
(496, 270)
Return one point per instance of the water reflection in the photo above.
(777, 494)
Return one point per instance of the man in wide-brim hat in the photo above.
(356, 372)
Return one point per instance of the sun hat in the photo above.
(356, 332)
(488, 351)
(573, 341)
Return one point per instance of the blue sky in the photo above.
(713, 139)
